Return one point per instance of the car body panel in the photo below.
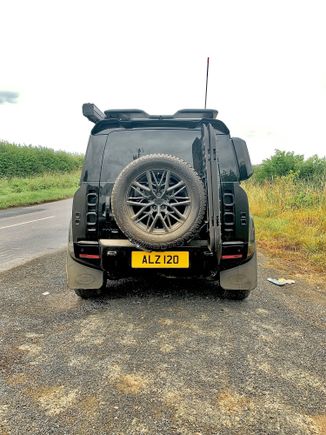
(94, 230)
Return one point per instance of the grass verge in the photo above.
(38, 189)
(290, 220)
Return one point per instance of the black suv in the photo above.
(161, 195)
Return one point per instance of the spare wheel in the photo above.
(158, 201)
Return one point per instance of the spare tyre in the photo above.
(158, 201)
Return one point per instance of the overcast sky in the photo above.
(267, 75)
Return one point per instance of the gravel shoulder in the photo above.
(164, 357)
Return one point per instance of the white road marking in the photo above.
(27, 222)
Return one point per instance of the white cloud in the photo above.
(8, 97)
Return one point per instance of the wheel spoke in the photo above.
(139, 212)
(183, 198)
(168, 219)
(167, 181)
(155, 179)
(134, 198)
(136, 189)
(158, 201)
(149, 180)
(178, 191)
(176, 204)
(145, 215)
(129, 202)
(164, 223)
(176, 186)
(181, 216)
(175, 218)
(141, 186)
(163, 178)
(153, 223)
(150, 217)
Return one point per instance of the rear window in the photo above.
(122, 147)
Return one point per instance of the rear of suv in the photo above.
(161, 195)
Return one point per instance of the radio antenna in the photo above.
(206, 81)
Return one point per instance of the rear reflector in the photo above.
(231, 257)
(91, 256)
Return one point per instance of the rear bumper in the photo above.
(113, 257)
(116, 260)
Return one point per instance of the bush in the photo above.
(313, 169)
(285, 163)
(27, 161)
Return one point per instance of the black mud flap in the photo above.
(213, 187)
(242, 277)
(80, 276)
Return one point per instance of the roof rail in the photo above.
(126, 114)
(196, 113)
(94, 114)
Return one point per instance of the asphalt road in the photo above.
(164, 357)
(29, 232)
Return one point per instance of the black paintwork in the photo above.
(92, 219)
(241, 150)
(107, 124)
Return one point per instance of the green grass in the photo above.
(289, 211)
(290, 220)
(31, 175)
(34, 190)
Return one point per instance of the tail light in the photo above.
(91, 214)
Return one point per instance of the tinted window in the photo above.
(122, 147)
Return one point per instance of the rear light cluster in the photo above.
(232, 252)
(91, 214)
(230, 220)
(90, 256)
(231, 256)
(228, 215)
(89, 253)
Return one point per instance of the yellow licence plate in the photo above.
(146, 260)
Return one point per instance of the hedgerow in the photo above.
(28, 161)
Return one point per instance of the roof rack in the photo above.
(94, 114)
(126, 114)
(196, 113)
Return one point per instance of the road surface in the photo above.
(29, 232)
(165, 357)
